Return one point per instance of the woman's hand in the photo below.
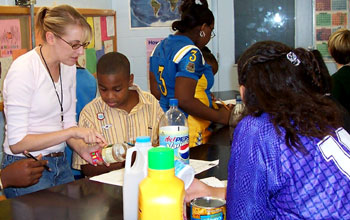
(85, 141)
(88, 135)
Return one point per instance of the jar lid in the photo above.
(161, 158)
(143, 139)
(173, 102)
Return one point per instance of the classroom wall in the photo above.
(131, 42)
(98, 4)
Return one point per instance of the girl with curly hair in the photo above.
(290, 156)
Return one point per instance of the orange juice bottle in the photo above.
(161, 193)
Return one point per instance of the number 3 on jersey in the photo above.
(332, 150)
(162, 86)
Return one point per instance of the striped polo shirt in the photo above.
(119, 126)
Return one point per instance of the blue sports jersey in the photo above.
(267, 180)
(209, 76)
(175, 56)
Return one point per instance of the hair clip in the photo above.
(293, 58)
(198, 2)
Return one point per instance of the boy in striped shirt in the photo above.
(122, 112)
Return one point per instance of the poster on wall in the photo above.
(330, 15)
(153, 13)
(5, 63)
(151, 43)
(10, 36)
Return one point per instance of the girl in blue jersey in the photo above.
(176, 64)
(290, 157)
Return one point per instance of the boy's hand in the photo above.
(23, 173)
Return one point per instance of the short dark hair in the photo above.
(208, 56)
(193, 15)
(112, 63)
(339, 46)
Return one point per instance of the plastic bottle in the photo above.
(239, 107)
(173, 132)
(133, 176)
(184, 172)
(161, 193)
(110, 154)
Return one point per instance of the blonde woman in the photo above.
(39, 99)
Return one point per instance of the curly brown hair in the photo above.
(288, 91)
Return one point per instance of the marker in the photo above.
(223, 103)
(28, 155)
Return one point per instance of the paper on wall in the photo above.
(97, 31)
(5, 63)
(110, 26)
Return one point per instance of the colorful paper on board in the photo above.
(10, 36)
(90, 20)
(91, 60)
(110, 25)
(82, 60)
(108, 44)
(17, 53)
(104, 29)
(97, 31)
(100, 53)
(5, 63)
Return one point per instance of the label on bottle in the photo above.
(107, 154)
(176, 137)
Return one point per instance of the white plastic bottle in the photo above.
(133, 175)
(173, 132)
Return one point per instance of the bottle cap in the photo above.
(161, 158)
(143, 139)
(173, 102)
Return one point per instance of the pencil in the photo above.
(223, 103)
(29, 155)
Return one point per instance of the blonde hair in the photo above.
(56, 20)
(339, 46)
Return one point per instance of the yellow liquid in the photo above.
(161, 196)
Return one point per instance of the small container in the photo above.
(110, 154)
(208, 208)
(185, 172)
(133, 175)
(161, 193)
(173, 132)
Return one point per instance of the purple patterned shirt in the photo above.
(267, 180)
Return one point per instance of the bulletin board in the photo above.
(15, 36)
(329, 16)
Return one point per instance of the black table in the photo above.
(86, 199)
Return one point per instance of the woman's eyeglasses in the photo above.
(212, 34)
(74, 46)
